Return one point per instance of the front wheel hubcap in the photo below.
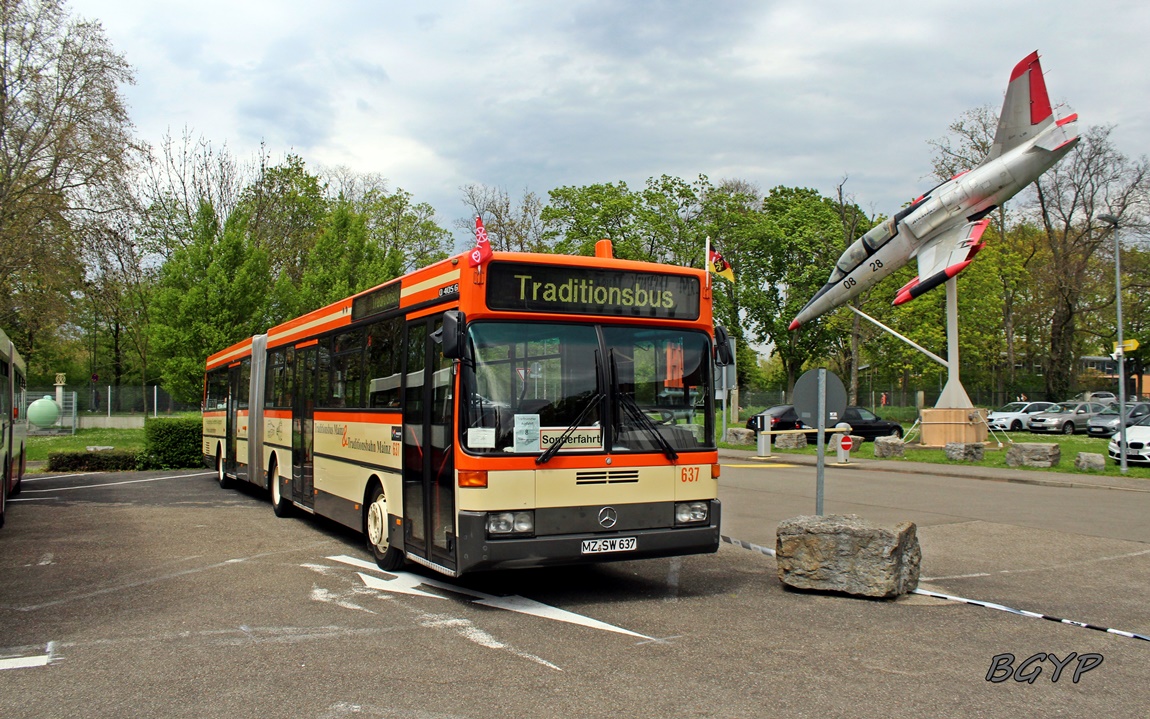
(377, 523)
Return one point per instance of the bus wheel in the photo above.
(221, 475)
(281, 505)
(388, 558)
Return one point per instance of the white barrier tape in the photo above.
(747, 545)
(964, 600)
(1035, 615)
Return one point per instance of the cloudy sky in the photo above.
(537, 95)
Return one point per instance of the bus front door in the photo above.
(428, 446)
(234, 390)
(303, 410)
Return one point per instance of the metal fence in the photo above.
(112, 401)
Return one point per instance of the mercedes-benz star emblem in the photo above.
(608, 517)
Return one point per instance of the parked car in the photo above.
(779, 417)
(1137, 443)
(868, 425)
(1066, 418)
(1105, 423)
(1015, 415)
(1102, 397)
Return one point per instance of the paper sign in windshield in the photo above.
(527, 433)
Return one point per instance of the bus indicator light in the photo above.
(473, 478)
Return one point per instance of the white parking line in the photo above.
(114, 484)
(57, 476)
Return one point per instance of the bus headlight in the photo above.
(504, 523)
(691, 512)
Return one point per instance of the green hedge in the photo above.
(172, 443)
(110, 461)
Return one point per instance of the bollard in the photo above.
(844, 449)
(764, 444)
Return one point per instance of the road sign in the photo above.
(845, 443)
(1127, 346)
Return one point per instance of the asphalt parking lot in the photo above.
(161, 594)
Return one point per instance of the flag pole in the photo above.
(707, 262)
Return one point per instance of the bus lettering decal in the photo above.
(583, 290)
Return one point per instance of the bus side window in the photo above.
(382, 362)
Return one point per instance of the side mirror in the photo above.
(454, 322)
(723, 355)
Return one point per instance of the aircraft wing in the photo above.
(944, 256)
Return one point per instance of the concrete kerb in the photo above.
(989, 474)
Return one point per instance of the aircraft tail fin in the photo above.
(1026, 110)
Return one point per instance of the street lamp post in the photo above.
(1119, 352)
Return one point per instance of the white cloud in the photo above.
(534, 96)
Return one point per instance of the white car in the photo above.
(1137, 443)
(1014, 416)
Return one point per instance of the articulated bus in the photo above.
(537, 410)
(13, 424)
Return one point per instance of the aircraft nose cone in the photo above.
(794, 325)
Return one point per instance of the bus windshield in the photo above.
(528, 386)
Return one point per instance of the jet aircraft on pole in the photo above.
(943, 228)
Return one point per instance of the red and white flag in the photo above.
(482, 252)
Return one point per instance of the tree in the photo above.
(801, 231)
(1093, 179)
(515, 228)
(578, 217)
(284, 207)
(64, 133)
(211, 294)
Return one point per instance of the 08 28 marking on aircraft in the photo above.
(943, 227)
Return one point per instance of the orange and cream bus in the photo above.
(13, 423)
(533, 411)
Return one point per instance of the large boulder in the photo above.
(740, 435)
(1090, 462)
(964, 451)
(887, 447)
(790, 440)
(846, 553)
(1033, 454)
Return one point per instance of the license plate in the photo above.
(615, 544)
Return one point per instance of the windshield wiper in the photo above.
(637, 413)
(562, 440)
(550, 451)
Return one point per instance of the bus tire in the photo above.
(281, 505)
(221, 474)
(388, 558)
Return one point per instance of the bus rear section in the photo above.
(233, 412)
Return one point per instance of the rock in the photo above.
(964, 451)
(1033, 454)
(846, 553)
(1090, 461)
(886, 447)
(797, 440)
(740, 435)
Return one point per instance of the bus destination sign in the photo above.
(520, 287)
(374, 302)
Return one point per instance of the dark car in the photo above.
(779, 417)
(1105, 423)
(868, 425)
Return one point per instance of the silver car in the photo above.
(1105, 423)
(1015, 415)
(1065, 418)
